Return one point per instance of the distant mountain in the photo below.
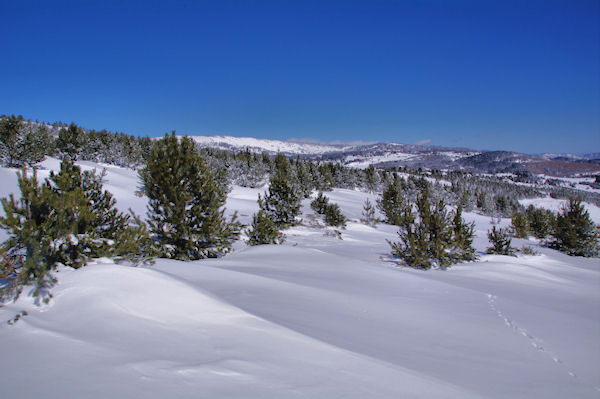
(269, 146)
(389, 155)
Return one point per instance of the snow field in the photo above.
(317, 316)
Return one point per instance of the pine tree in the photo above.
(10, 127)
(501, 242)
(319, 203)
(519, 225)
(68, 219)
(69, 142)
(333, 216)
(430, 237)
(392, 202)
(282, 202)
(264, 231)
(462, 238)
(540, 221)
(185, 210)
(574, 232)
(368, 214)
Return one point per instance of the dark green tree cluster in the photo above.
(185, 210)
(432, 236)
(23, 143)
(68, 219)
(574, 232)
(501, 242)
(540, 222)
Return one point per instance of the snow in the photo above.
(260, 145)
(316, 317)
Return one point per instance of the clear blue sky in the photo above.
(515, 75)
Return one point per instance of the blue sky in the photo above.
(514, 75)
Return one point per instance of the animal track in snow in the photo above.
(535, 342)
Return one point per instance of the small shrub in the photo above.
(368, 214)
(501, 242)
(320, 203)
(528, 251)
(333, 216)
(264, 231)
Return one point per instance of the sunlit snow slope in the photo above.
(317, 317)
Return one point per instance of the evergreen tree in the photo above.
(519, 225)
(368, 214)
(282, 202)
(333, 216)
(501, 242)
(392, 202)
(264, 231)
(185, 210)
(318, 204)
(68, 219)
(574, 232)
(540, 221)
(70, 141)
(462, 238)
(10, 127)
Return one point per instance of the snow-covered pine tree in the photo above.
(185, 210)
(319, 203)
(69, 142)
(10, 127)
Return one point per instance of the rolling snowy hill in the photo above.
(388, 155)
(317, 316)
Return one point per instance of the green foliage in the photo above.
(462, 238)
(334, 216)
(368, 214)
(264, 231)
(282, 202)
(574, 232)
(185, 210)
(501, 242)
(9, 136)
(432, 236)
(393, 203)
(540, 221)
(69, 142)
(520, 225)
(66, 220)
(320, 203)
(21, 143)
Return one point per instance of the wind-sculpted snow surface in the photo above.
(317, 317)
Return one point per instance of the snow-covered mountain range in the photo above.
(389, 155)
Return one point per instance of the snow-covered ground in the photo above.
(317, 317)
(260, 145)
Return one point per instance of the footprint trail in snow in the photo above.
(535, 342)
